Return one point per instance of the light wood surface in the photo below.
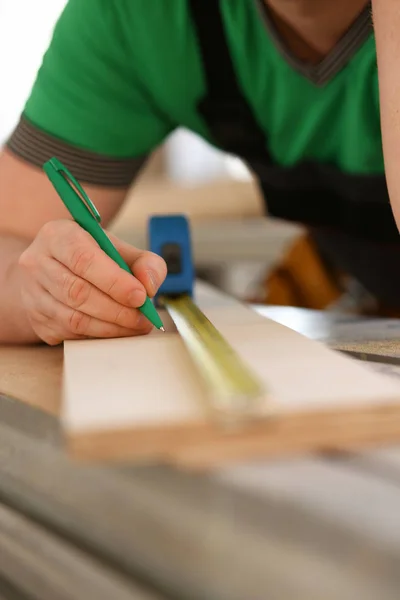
(32, 374)
(305, 532)
(140, 398)
(216, 200)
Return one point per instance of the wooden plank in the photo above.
(236, 200)
(384, 348)
(140, 398)
(32, 374)
(165, 522)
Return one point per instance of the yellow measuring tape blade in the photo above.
(233, 390)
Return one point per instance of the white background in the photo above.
(25, 31)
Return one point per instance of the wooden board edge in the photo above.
(196, 444)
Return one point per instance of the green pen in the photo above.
(87, 216)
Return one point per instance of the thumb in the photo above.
(149, 268)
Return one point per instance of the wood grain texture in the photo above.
(299, 521)
(386, 348)
(236, 199)
(141, 398)
(33, 375)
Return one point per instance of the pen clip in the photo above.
(59, 167)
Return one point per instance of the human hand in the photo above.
(71, 289)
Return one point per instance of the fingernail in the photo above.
(153, 281)
(137, 298)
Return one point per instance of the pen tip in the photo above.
(162, 329)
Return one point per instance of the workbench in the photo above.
(311, 528)
(234, 243)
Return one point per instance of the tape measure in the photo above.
(232, 390)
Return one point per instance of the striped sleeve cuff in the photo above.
(36, 147)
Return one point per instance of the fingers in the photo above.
(71, 289)
(78, 251)
(149, 268)
(55, 322)
(78, 294)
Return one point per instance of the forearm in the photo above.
(14, 325)
(386, 15)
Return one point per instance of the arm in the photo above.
(386, 16)
(88, 107)
(27, 202)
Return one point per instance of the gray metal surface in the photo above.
(325, 528)
(10, 592)
(47, 569)
(333, 327)
(371, 357)
(209, 537)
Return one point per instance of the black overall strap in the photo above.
(225, 109)
(314, 194)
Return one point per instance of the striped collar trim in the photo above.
(336, 59)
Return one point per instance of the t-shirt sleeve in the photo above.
(89, 105)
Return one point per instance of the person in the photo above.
(289, 86)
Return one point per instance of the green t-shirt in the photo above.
(120, 76)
